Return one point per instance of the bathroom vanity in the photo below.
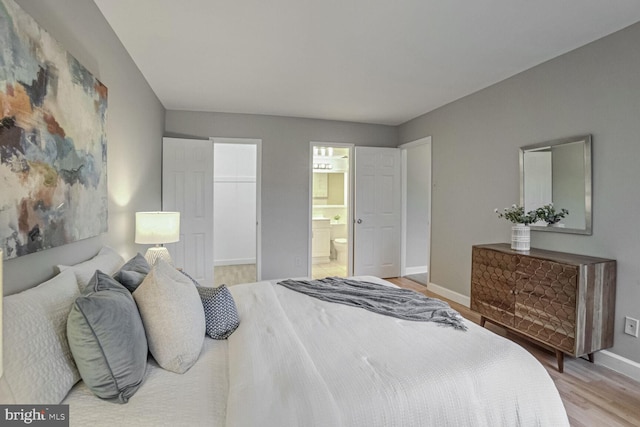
(321, 240)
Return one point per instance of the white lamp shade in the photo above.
(157, 227)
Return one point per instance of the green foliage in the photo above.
(516, 215)
(549, 214)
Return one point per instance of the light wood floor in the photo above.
(234, 274)
(593, 395)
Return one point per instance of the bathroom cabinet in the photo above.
(321, 241)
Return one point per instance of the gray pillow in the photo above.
(133, 272)
(173, 318)
(107, 339)
(220, 312)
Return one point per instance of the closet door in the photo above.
(187, 187)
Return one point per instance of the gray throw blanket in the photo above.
(397, 302)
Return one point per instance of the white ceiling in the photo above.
(371, 61)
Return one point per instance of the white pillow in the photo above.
(38, 365)
(173, 317)
(107, 260)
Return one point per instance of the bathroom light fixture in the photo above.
(322, 166)
(322, 151)
(157, 228)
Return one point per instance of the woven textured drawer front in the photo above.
(546, 301)
(492, 285)
(566, 301)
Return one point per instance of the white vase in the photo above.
(520, 237)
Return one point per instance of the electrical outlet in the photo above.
(297, 261)
(631, 326)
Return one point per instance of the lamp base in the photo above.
(157, 252)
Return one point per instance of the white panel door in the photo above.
(187, 187)
(377, 228)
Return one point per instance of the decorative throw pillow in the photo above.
(187, 275)
(107, 339)
(133, 272)
(172, 315)
(38, 365)
(220, 312)
(107, 261)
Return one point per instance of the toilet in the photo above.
(341, 249)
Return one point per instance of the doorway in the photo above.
(215, 185)
(416, 210)
(235, 210)
(330, 208)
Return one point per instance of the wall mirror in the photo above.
(329, 188)
(558, 172)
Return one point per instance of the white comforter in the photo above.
(196, 398)
(298, 361)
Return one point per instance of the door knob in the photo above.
(359, 221)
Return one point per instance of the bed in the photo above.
(298, 361)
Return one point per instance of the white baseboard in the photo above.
(238, 261)
(618, 363)
(449, 294)
(415, 270)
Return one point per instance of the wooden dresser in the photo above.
(563, 301)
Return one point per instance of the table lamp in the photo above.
(157, 228)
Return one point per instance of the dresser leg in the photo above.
(482, 320)
(590, 357)
(560, 359)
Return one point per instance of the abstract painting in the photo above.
(53, 142)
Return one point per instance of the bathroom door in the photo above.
(187, 187)
(378, 212)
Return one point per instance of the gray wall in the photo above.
(594, 89)
(135, 122)
(285, 172)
